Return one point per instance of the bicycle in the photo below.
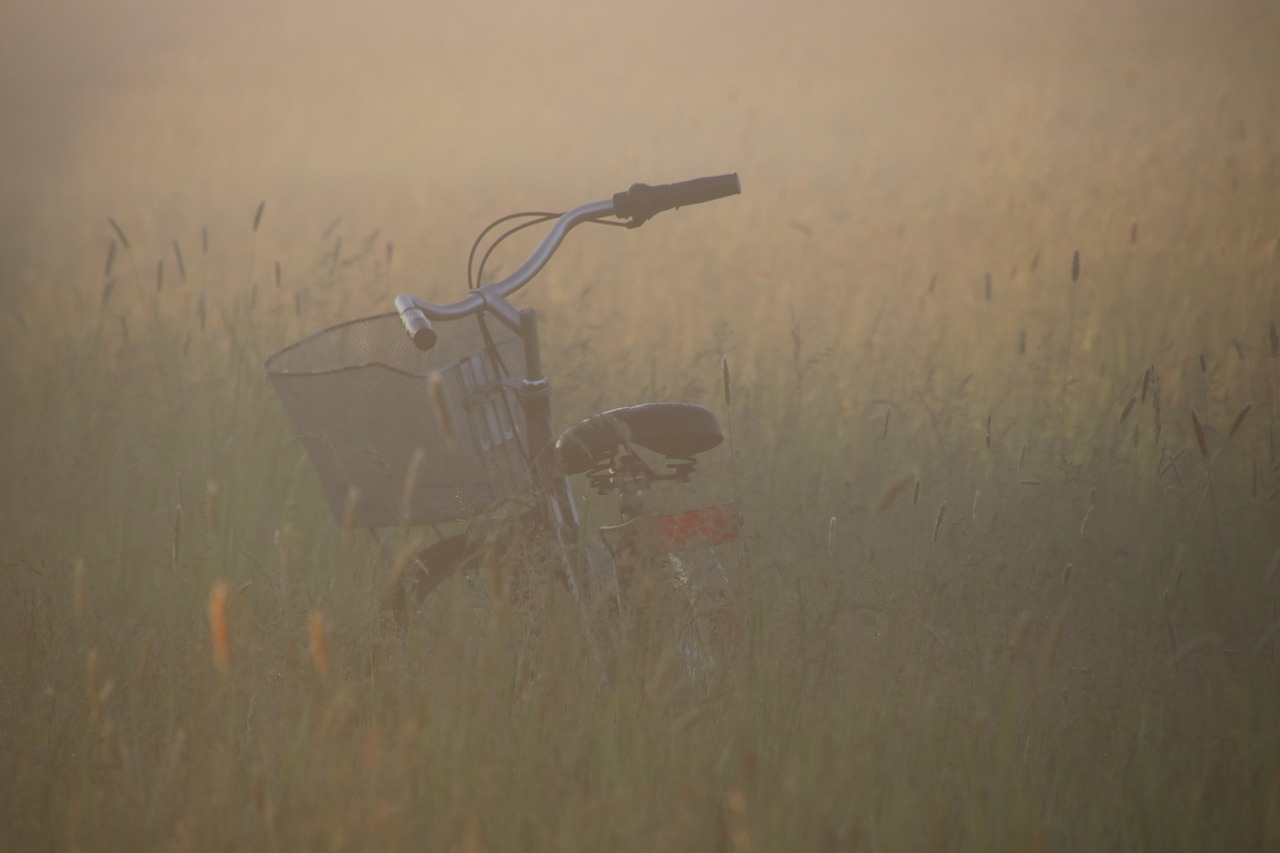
(440, 413)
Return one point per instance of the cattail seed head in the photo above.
(218, 634)
(1075, 265)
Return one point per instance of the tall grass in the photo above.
(1004, 584)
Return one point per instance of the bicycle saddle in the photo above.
(677, 430)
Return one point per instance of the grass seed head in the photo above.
(728, 392)
(1235, 425)
(890, 494)
(1128, 408)
(1201, 441)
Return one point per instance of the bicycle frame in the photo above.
(358, 459)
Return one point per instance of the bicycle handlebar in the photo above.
(642, 201)
(638, 203)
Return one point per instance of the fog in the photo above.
(183, 112)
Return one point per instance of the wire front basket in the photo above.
(400, 436)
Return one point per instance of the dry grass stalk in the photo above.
(1066, 573)
(316, 645)
(937, 524)
(1146, 382)
(1075, 265)
(1018, 634)
(1085, 522)
(1053, 638)
(257, 216)
(79, 598)
(176, 546)
(284, 542)
(349, 517)
(218, 634)
(148, 653)
(1166, 611)
(404, 557)
(410, 483)
(915, 493)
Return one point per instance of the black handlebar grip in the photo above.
(420, 330)
(642, 201)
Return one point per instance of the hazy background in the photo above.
(1009, 575)
(856, 118)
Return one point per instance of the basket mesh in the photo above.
(364, 401)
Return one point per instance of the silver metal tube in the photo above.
(493, 296)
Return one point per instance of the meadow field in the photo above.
(999, 303)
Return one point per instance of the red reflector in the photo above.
(708, 525)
